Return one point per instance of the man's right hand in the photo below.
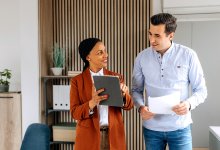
(145, 113)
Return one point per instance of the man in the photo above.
(164, 69)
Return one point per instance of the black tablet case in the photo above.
(111, 84)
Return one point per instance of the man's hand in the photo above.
(182, 108)
(145, 113)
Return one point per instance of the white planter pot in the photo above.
(57, 71)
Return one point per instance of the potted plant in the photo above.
(4, 83)
(58, 58)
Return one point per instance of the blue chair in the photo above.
(37, 137)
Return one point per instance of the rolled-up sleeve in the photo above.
(197, 81)
(138, 83)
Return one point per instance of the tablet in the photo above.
(111, 84)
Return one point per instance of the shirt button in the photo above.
(162, 76)
(162, 69)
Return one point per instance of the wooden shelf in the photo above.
(50, 110)
(61, 142)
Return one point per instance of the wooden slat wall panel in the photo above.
(122, 26)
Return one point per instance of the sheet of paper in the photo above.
(163, 104)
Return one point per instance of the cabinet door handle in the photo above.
(6, 97)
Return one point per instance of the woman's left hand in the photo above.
(124, 89)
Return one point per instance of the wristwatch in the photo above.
(189, 106)
(91, 112)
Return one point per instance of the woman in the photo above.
(99, 127)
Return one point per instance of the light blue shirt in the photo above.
(174, 72)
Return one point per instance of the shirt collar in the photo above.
(169, 49)
(100, 73)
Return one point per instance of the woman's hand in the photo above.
(96, 98)
(124, 89)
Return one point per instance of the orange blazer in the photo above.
(88, 129)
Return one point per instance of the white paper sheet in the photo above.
(163, 104)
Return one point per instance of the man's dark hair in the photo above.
(164, 18)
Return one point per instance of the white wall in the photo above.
(29, 62)
(9, 41)
(19, 52)
(156, 6)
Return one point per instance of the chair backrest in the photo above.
(37, 137)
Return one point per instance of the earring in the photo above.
(88, 59)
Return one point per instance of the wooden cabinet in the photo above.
(10, 116)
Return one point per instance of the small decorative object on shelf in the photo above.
(4, 83)
(58, 58)
(73, 73)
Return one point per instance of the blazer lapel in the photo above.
(88, 94)
(87, 84)
(105, 71)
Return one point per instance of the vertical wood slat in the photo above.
(122, 25)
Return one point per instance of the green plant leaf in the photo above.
(4, 76)
(58, 56)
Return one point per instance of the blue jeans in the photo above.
(176, 140)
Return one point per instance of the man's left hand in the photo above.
(182, 108)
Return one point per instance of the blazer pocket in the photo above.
(85, 123)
